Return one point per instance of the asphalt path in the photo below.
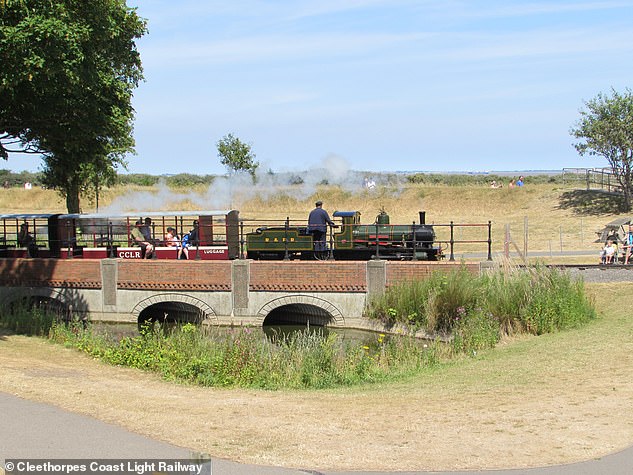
(32, 430)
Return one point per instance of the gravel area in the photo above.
(600, 274)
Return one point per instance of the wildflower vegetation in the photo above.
(474, 312)
(247, 358)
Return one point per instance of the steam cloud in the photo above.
(229, 192)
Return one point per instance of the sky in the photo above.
(373, 85)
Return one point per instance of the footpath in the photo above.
(31, 430)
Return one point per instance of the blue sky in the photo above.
(389, 85)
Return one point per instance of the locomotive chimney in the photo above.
(422, 217)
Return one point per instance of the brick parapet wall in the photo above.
(271, 276)
(174, 275)
(67, 273)
(314, 276)
(406, 271)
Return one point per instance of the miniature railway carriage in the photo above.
(99, 236)
(29, 235)
(351, 240)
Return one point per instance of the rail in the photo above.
(453, 241)
(603, 179)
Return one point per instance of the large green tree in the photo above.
(237, 155)
(69, 68)
(605, 129)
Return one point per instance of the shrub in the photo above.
(463, 306)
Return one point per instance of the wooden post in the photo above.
(525, 237)
(560, 237)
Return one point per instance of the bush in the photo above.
(25, 320)
(462, 306)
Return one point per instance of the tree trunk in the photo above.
(627, 199)
(72, 198)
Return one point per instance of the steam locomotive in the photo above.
(351, 241)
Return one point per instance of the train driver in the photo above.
(317, 225)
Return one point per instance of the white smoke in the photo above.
(231, 191)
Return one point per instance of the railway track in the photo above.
(597, 273)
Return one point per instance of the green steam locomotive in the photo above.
(350, 241)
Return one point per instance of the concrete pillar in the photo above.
(487, 266)
(109, 278)
(376, 277)
(240, 280)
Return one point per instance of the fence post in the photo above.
(111, 240)
(197, 228)
(560, 238)
(525, 237)
(452, 258)
(506, 243)
(69, 241)
(286, 224)
(241, 239)
(489, 240)
(330, 254)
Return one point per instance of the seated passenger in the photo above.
(24, 236)
(608, 252)
(25, 239)
(146, 230)
(171, 237)
(189, 239)
(147, 248)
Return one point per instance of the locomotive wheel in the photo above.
(321, 255)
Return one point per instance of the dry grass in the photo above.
(552, 217)
(532, 401)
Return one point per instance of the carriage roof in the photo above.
(147, 214)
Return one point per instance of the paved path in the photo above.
(34, 430)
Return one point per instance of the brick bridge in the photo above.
(216, 292)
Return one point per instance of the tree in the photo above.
(605, 129)
(68, 71)
(236, 155)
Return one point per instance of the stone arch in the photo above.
(66, 299)
(309, 300)
(208, 314)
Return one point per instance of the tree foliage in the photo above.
(68, 71)
(605, 129)
(236, 155)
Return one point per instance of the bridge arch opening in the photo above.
(171, 312)
(299, 314)
(45, 304)
(172, 308)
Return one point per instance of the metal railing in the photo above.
(602, 179)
